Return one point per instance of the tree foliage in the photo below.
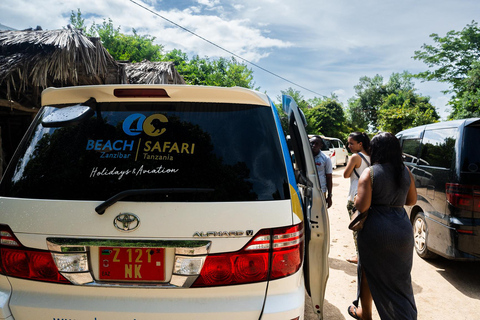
(133, 48)
(454, 59)
(324, 115)
(405, 110)
(327, 118)
(390, 106)
(203, 71)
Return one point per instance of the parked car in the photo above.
(162, 202)
(445, 162)
(336, 150)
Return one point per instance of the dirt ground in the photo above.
(444, 289)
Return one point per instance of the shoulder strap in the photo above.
(371, 174)
(356, 173)
(364, 159)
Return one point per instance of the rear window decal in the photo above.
(96, 172)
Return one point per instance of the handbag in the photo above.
(358, 218)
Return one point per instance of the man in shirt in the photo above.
(324, 168)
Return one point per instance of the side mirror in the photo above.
(69, 116)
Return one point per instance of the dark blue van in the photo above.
(444, 159)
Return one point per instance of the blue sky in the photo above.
(324, 46)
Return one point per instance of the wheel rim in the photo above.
(420, 233)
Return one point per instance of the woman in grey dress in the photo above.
(385, 243)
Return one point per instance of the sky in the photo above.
(317, 47)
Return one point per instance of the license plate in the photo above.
(132, 264)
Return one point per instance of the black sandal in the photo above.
(354, 313)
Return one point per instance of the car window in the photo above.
(470, 151)
(410, 149)
(438, 148)
(233, 149)
(327, 145)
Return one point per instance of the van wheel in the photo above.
(420, 234)
(346, 161)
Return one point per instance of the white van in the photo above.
(161, 202)
(336, 150)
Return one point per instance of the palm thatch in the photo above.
(33, 60)
(147, 72)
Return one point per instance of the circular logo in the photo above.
(126, 222)
(133, 125)
(154, 125)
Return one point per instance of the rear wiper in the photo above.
(133, 192)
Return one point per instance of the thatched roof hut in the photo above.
(33, 60)
(147, 72)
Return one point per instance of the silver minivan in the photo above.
(162, 202)
(337, 151)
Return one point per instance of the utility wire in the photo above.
(221, 48)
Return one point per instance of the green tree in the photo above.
(203, 71)
(133, 48)
(466, 103)
(327, 118)
(77, 21)
(405, 110)
(324, 115)
(370, 92)
(389, 106)
(356, 118)
(452, 59)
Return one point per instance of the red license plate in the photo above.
(132, 264)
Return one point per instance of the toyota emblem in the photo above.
(126, 222)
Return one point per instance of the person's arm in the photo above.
(412, 192)
(329, 178)
(363, 200)
(354, 162)
(329, 189)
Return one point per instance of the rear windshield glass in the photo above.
(471, 151)
(232, 149)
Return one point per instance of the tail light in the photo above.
(463, 196)
(333, 154)
(271, 254)
(22, 262)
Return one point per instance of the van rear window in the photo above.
(471, 151)
(233, 149)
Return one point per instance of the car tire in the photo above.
(420, 234)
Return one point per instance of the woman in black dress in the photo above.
(385, 243)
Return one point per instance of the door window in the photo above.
(438, 148)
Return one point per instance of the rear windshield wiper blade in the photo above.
(100, 209)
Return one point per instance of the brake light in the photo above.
(463, 196)
(22, 262)
(333, 154)
(271, 254)
(140, 93)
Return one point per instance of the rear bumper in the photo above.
(38, 300)
(449, 243)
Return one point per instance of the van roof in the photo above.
(176, 93)
(441, 125)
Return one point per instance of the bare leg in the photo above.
(365, 299)
(365, 311)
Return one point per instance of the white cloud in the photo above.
(324, 46)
